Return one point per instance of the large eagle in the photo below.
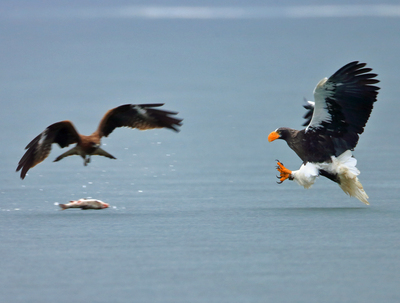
(140, 116)
(342, 106)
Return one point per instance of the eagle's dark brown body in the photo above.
(309, 147)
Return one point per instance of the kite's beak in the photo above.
(273, 136)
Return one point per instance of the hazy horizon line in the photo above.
(211, 12)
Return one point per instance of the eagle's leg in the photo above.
(284, 173)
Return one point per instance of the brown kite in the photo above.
(140, 116)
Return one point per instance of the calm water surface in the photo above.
(195, 216)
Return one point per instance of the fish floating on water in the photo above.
(85, 204)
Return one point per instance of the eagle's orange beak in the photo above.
(273, 136)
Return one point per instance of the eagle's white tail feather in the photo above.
(345, 167)
(350, 185)
(349, 161)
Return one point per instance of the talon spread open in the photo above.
(284, 172)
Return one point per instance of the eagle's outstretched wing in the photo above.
(343, 104)
(63, 133)
(140, 116)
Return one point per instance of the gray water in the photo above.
(195, 216)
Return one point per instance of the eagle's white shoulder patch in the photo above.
(323, 90)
